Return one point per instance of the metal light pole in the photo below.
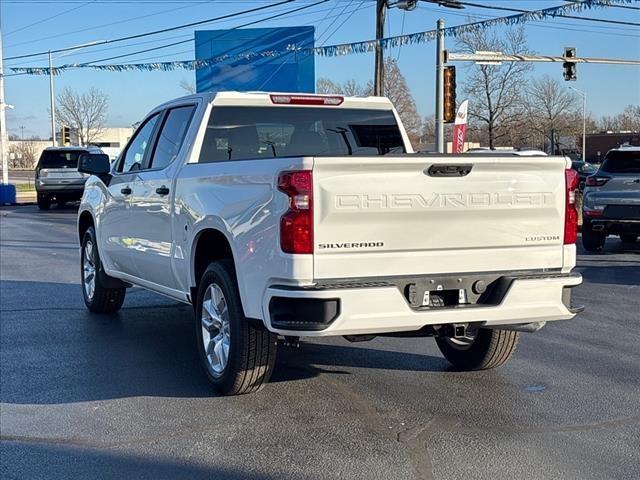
(440, 87)
(584, 122)
(3, 124)
(53, 102)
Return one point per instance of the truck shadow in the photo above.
(50, 461)
(53, 351)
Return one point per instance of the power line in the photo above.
(271, 17)
(189, 39)
(277, 15)
(344, 21)
(155, 32)
(48, 18)
(95, 27)
(535, 24)
(147, 41)
(320, 36)
(574, 17)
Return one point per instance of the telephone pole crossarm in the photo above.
(501, 57)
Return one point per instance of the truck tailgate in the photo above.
(411, 215)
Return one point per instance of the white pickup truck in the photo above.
(306, 215)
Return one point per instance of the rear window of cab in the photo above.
(620, 161)
(59, 159)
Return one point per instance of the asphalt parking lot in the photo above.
(88, 396)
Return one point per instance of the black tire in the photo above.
(104, 299)
(628, 238)
(489, 349)
(44, 202)
(592, 241)
(251, 347)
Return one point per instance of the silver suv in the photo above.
(611, 202)
(57, 176)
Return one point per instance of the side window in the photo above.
(172, 134)
(134, 156)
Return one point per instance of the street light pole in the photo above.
(53, 103)
(584, 122)
(440, 87)
(3, 125)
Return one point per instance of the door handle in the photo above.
(162, 190)
(125, 191)
(447, 170)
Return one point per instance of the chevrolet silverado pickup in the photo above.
(279, 216)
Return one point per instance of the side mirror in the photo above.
(94, 163)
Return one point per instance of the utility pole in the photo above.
(440, 87)
(584, 122)
(3, 124)
(22, 132)
(378, 80)
(53, 102)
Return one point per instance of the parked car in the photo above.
(584, 170)
(611, 199)
(57, 177)
(308, 215)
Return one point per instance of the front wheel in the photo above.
(98, 297)
(238, 354)
(481, 349)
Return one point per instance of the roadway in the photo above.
(124, 397)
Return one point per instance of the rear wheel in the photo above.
(97, 296)
(592, 241)
(629, 238)
(481, 349)
(44, 202)
(238, 354)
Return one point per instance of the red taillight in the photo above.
(570, 211)
(307, 100)
(595, 181)
(296, 226)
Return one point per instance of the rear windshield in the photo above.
(239, 133)
(618, 161)
(59, 159)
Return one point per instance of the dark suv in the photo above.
(57, 176)
(611, 199)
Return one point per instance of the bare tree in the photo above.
(495, 91)
(85, 113)
(326, 86)
(628, 120)
(350, 88)
(188, 87)
(396, 89)
(24, 154)
(552, 107)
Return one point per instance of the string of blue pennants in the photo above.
(334, 50)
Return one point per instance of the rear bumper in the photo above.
(53, 188)
(384, 309)
(612, 226)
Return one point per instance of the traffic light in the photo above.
(449, 94)
(570, 68)
(66, 135)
